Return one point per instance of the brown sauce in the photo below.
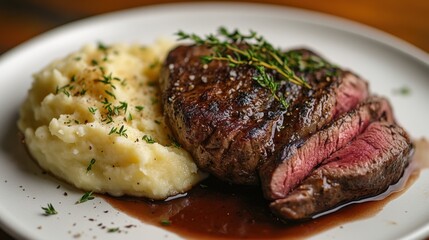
(216, 210)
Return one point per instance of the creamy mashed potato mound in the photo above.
(95, 120)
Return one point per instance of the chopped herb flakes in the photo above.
(148, 139)
(139, 108)
(258, 53)
(90, 165)
(110, 94)
(405, 91)
(154, 64)
(92, 110)
(64, 89)
(174, 143)
(165, 222)
(50, 210)
(112, 230)
(102, 47)
(121, 132)
(86, 197)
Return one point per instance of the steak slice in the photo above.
(366, 167)
(231, 125)
(296, 161)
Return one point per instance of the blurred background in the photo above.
(21, 20)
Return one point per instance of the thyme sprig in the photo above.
(252, 49)
(91, 163)
(85, 197)
(50, 210)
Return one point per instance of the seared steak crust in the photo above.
(231, 125)
(366, 167)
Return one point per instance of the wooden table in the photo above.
(21, 20)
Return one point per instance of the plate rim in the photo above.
(324, 19)
(327, 20)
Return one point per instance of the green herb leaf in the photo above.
(86, 197)
(148, 139)
(63, 89)
(174, 142)
(101, 46)
(90, 165)
(121, 131)
(110, 93)
(112, 230)
(256, 52)
(405, 91)
(165, 222)
(50, 210)
(92, 110)
(139, 108)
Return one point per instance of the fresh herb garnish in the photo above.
(154, 64)
(121, 131)
(112, 230)
(50, 210)
(139, 108)
(148, 139)
(92, 110)
(174, 142)
(165, 222)
(64, 89)
(110, 94)
(256, 52)
(107, 79)
(405, 91)
(102, 47)
(86, 197)
(90, 165)
(122, 106)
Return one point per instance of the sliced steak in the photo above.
(365, 167)
(231, 125)
(295, 161)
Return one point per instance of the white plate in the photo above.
(387, 62)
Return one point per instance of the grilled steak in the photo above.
(232, 126)
(296, 160)
(365, 167)
(333, 144)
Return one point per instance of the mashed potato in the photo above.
(94, 119)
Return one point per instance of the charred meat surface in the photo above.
(232, 126)
(296, 160)
(365, 167)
